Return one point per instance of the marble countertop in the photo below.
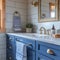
(38, 37)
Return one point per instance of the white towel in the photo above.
(20, 57)
(21, 48)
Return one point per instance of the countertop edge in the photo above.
(55, 41)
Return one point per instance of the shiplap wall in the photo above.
(2, 46)
(11, 7)
(33, 18)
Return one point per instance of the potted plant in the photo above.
(29, 27)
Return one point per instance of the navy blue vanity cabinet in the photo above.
(30, 47)
(10, 49)
(42, 57)
(47, 50)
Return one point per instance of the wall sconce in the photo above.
(35, 3)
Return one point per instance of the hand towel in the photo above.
(20, 57)
(21, 48)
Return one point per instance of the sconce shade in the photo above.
(35, 3)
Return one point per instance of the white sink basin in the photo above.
(40, 35)
(36, 35)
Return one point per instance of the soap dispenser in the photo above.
(53, 30)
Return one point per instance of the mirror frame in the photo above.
(46, 19)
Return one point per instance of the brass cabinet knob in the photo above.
(49, 51)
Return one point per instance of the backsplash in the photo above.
(33, 17)
(11, 7)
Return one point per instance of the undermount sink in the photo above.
(40, 35)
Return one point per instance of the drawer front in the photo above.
(11, 47)
(30, 43)
(10, 38)
(10, 55)
(42, 57)
(46, 50)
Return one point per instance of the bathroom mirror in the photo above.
(47, 10)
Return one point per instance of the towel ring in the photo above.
(26, 44)
(16, 13)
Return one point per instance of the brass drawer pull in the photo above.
(49, 51)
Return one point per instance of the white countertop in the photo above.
(38, 37)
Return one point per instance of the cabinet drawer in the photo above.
(10, 57)
(42, 57)
(10, 47)
(29, 42)
(44, 49)
(10, 38)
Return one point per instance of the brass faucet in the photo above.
(42, 29)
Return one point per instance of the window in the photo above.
(52, 10)
(2, 15)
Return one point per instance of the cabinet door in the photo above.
(10, 55)
(11, 48)
(44, 48)
(30, 53)
(30, 47)
(42, 57)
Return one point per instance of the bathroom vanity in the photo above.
(42, 47)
